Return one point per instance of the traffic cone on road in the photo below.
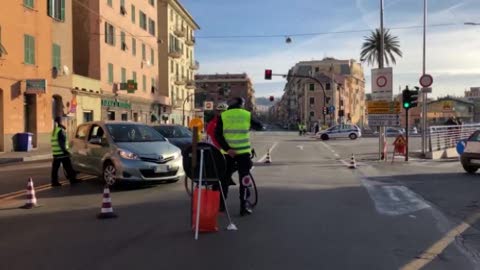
(107, 210)
(268, 160)
(353, 163)
(31, 198)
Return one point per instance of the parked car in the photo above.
(124, 151)
(340, 131)
(178, 135)
(393, 132)
(470, 158)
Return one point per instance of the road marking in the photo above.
(262, 159)
(437, 248)
(300, 147)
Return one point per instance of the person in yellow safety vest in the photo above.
(60, 154)
(300, 129)
(233, 136)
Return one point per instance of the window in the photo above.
(153, 85)
(135, 118)
(82, 132)
(124, 75)
(125, 116)
(133, 13)
(143, 20)
(152, 56)
(152, 2)
(144, 83)
(110, 115)
(144, 57)
(56, 9)
(171, 67)
(109, 34)
(311, 87)
(87, 117)
(2, 49)
(328, 86)
(317, 69)
(312, 100)
(123, 43)
(134, 47)
(123, 11)
(56, 56)
(312, 114)
(134, 76)
(110, 73)
(151, 27)
(109, 2)
(28, 3)
(29, 50)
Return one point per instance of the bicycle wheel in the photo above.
(252, 193)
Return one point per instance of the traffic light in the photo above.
(271, 98)
(410, 98)
(325, 110)
(268, 74)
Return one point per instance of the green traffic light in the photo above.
(406, 105)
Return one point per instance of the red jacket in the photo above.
(212, 125)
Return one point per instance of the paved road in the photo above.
(314, 213)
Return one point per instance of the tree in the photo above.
(371, 48)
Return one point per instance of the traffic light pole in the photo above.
(406, 134)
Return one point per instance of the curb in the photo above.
(5, 161)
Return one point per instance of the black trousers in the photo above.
(67, 165)
(243, 164)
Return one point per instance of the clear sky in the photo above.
(453, 49)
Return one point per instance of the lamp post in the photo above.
(183, 107)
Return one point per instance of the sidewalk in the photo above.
(34, 155)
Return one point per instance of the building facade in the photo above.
(338, 85)
(176, 59)
(221, 87)
(116, 43)
(26, 76)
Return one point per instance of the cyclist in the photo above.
(213, 124)
(233, 136)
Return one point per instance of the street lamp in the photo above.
(185, 101)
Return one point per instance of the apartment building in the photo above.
(221, 87)
(116, 42)
(176, 59)
(338, 85)
(26, 60)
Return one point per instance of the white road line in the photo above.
(262, 159)
(300, 147)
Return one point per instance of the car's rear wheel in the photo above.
(353, 136)
(324, 137)
(109, 173)
(470, 169)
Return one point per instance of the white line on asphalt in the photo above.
(262, 159)
(300, 147)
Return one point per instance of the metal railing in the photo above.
(445, 137)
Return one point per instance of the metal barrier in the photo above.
(445, 137)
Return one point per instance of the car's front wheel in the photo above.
(353, 136)
(470, 169)
(109, 173)
(324, 137)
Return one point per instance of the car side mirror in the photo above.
(97, 141)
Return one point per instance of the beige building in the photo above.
(116, 42)
(176, 59)
(339, 85)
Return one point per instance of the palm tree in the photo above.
(371, 48)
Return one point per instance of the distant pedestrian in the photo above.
(317, 128)
(60, 154)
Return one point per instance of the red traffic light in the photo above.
(271, 98)
(268, 74)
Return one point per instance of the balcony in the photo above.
(194, 65)
(179, 31)
(190, 41)
(175, 53)
(190, 84)
(180, 80)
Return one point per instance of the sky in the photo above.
(453, 49)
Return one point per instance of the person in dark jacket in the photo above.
(60, 154)
(233, 136)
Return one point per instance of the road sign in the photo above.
(426, 90)
(426, 80)
(383, 107)
(208, 105)
(461, 146)
(382, 84)
(332, 108)
(377, 120)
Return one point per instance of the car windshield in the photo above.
(134, 133)
(174, 131)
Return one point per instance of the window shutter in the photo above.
(50, 8)
(106, 32)
(113, 36)
(62, 10)
(25, 49)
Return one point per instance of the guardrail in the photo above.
(445, 137)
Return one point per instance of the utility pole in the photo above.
(424, 94)
(381, 139)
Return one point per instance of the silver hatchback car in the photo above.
(125, 151)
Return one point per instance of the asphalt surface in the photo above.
(313, 213)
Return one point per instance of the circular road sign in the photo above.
(381, 81)
(426, 80)
(461, 146)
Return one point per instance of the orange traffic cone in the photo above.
(353, 163)
(107, 210)
(31, 198)
(268, 160)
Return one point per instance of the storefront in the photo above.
(85, 104)
(115, 109)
